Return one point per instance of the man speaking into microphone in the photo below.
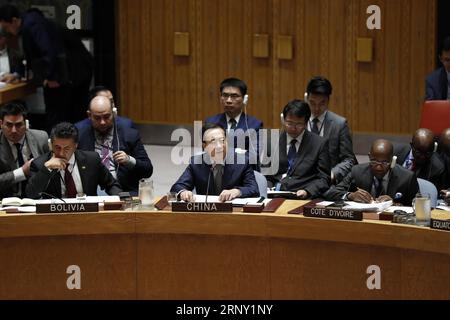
(65, 171)
(217, 171)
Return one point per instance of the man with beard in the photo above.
(120, 148)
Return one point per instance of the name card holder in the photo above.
(440, 224)
(332, 213)
(66, 207)
(202, 207)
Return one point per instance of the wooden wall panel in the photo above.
(383, 96)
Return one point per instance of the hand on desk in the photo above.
(9, 78)
(187, 196)
(228, 195)
(360, 195)
(302, 194)
(383, 198)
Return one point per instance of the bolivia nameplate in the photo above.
(332, 213)
(66, 207)
(202, 207)
(440, 224)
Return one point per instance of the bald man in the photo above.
(444, 153)
(120, 147)
(379, 180)
(421, 157)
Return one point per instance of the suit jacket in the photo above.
(15, 62)
(130, 143)
(340, 145)
(121, 121)
(53, 52)
(92, 173)
(245, 122)
(311, 170)
(237, 175)
(401, 180)
(37, 141)
(436, 85)
(446, 161)
(433, 171)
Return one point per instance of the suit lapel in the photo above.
(283, 152)
(300, 153)
(32, 144)
(7, 153)
(393, 182)
(80, 160)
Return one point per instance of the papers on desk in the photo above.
(88, 199)
(393, 208)
(2, 84)
(443, 207)
(366, 207)
(238, 202)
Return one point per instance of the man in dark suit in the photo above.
(18, 146)
(104, 91)
(119, 146)
(331, 126)
(379, 180)
(421, 157)
(444, 153)
(66, 172)
(304, 165)
(11, 67)
(217, 171)
(59, 61)
(437, 83)
(242, 129)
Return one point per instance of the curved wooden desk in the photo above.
(16, 91)
(163, 255)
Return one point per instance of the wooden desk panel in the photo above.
(16, 91)
(163, 255)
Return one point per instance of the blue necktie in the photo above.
(292, 153)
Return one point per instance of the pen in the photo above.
(261, 199)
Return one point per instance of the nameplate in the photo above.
(332, 213)
(202, 207)
(66, 207)
(440, 224)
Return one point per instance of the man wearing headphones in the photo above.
(18, 146)
(304, 165)
(421, 157)
(104, 91)
(233, 99)
(331, 126)
(379, 180)
(120, 147)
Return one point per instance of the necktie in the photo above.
(105, 154)
(20, 162)
(71, 190)
(218, 172)
(292, 153)
(233, 124)
(378, 186)
(20, 159)
(315, 126)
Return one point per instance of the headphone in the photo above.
(245, 102)
(393, 162)
(27, 124)
(435, 147)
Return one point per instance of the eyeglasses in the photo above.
(18, 125)
(297, 125)
(233, 96)
(374, 162)
(216, 141)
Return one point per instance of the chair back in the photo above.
(262, 183)
(426, 186)
(435, 116)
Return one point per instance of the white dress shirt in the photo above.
(320, 123)
(73, 168)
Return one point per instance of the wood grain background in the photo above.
(384, 95)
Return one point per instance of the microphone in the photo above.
(398, 196)
(51, 196)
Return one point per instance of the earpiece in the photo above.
(114, 110)
(245, 99)
(27, 124)
(282, 118)
(305, 96)
(435, 146)
(393, 162)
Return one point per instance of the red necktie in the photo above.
(71, 190)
